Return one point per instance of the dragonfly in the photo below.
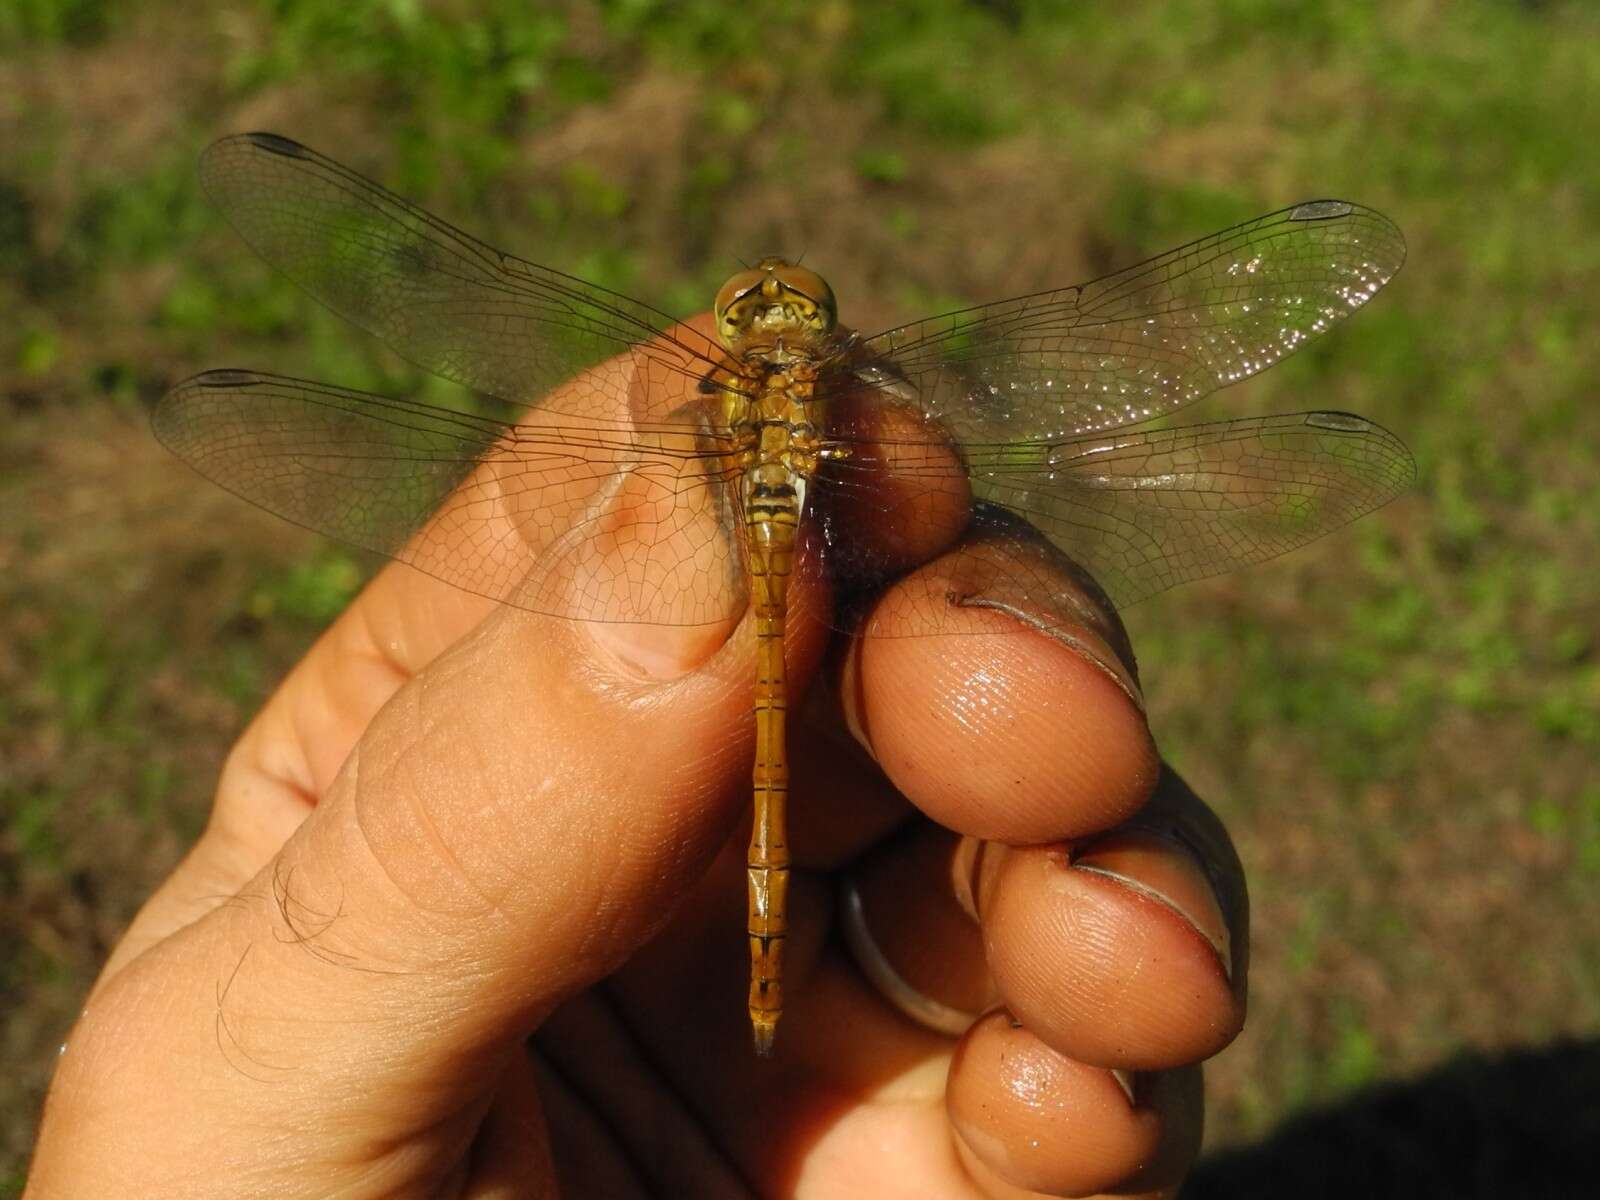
(617, 465)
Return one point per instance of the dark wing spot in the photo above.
(1320, 210)
(1342, 421)
(278, 145)
(225, 378)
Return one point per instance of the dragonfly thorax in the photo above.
(774, 305)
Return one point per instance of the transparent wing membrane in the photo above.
(1140, 510)
(439, 297)
(586, 520)
(1144, 511)
(1147, 340)
(601, 486)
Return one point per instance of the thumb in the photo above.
(513, 823)
(518, 820)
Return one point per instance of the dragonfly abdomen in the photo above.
(772, 516)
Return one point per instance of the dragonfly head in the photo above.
(774, 301)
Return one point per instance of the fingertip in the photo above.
(1005, 732)
(1029, 1119)
(1107, 969)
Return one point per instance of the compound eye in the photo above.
(736, 286)
(815, 289)
(725, 310)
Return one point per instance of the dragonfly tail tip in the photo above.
(764, 1034)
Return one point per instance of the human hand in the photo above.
(458, 824)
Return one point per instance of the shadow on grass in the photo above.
(1525, 1124)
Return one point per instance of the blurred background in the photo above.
(1400, 724)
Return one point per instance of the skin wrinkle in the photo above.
(354, 639)
(703, 792)
(388, 873)
(286, 759)
(347, 698)
(508, 769)
(639, 705)
(674, 845)
(377, 651)
(393, 781)
(613, 913)
(416, 801)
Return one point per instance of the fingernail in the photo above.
(847, 686)
(657, 653)
(966, 860)
(1145, 863)
(1082, 640)
(1125, 1079)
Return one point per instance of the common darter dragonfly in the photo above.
(621, 466)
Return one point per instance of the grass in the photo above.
(1399, 724)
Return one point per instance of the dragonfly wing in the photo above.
(1143, 511)
(439, 297)
(590, 520)
(1143, 342)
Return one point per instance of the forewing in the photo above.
(1143, 342)
(582, 519)
(439, 297)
